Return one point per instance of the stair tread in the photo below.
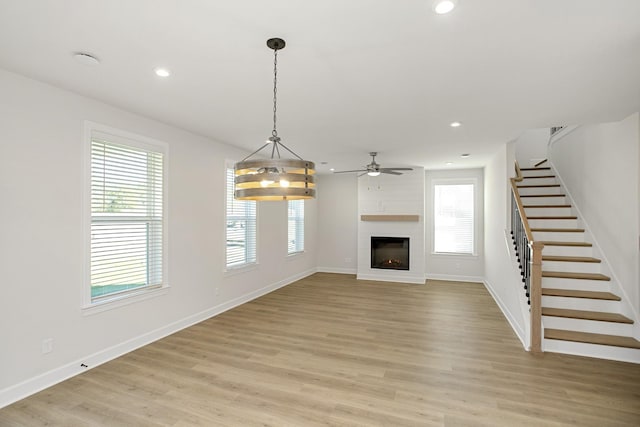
(536, 169)
(557, 243)
(562, 258)
(538, 176)
(542, 195)
(541, 162)
(559, 230)
(586, 315)
(572, 293)
(591, 338)
(546, 206)
(552, 217)
(571, 275)
(539, 186)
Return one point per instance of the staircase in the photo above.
(580, 314)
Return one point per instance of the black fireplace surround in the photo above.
(390, 253)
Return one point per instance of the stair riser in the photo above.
(543, 200)
(568, 250)
(539, 190)
(547, 211)
(558, 236)
(575, 267)
(575, 284)
(592, 326)
(552, 223)
(581, 304)
(538, 181)
(537, 172)
(592, 350)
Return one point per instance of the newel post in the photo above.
(536, 297)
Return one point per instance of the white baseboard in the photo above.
(33, 385)
(508, 315)
(454, 278)
(337, 270)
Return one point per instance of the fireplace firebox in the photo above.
(390, 253)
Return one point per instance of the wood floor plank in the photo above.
(332, 350)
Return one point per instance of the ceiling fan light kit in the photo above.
(374, 169)
(274, 178)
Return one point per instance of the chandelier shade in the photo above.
(274, 178)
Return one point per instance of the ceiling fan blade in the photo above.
(396, 169)
(390, 172)
(359, 170)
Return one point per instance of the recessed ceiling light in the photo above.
(444, 6)
(162, 72)
(332, 169)
(455, 124)
(86, 58)
(465, 155)
(448, 163)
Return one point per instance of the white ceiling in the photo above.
(356, 75)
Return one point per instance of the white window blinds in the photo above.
(295, 227)
(126, 218)
(240, 227)
(453, 218)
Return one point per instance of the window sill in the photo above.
(295, 255)
(244, 268)
(122, 300)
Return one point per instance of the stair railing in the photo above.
(529, 255)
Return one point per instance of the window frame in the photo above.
(89, 304)
(247, 265)
(476, 214)
(300, 227)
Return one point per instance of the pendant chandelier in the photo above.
(274, 178)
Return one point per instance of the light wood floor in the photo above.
(330, 350)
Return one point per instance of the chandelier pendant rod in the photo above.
(257, 151)
(287, 148)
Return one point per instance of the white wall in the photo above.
(531, 147)
(599, 166)
(41, 239)
(337, 223)
(502, 278)
(455, 267)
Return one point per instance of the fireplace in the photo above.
(390, 253)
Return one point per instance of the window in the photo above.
(295, 234)
(453, 218)
(240, 227)
(127, 216)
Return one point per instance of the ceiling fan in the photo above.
(374, 169)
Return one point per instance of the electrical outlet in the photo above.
(47, 345)
(217, 291)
